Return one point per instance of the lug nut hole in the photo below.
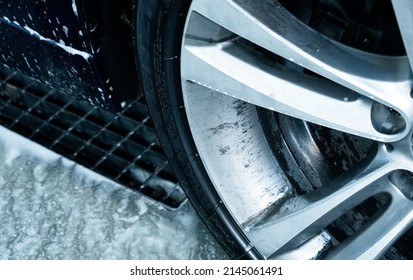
(386, 120)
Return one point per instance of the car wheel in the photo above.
(288, 123)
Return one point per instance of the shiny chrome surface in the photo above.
(363, 94)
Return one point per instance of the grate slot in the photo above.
(122, 147)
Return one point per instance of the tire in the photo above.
(277, 175)
(160, 25)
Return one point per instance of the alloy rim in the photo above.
(244, 60)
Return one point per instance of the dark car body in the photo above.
(65, 45)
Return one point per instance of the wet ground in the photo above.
(51, 208)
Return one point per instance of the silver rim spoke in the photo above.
(273, 28)
(281, 90)
(238, 73)
(327, 204)
(402, 9)
(377, 237)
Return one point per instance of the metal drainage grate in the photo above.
(122, 147)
